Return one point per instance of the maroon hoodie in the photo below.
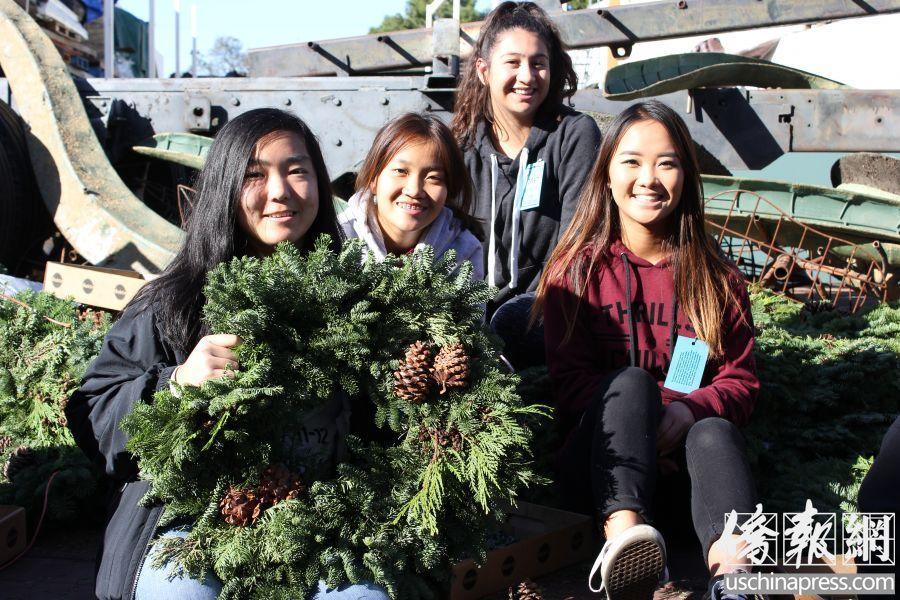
(600, 341)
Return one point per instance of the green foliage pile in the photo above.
(41, 364)
(398, 513)
(830, 390)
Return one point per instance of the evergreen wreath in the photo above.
(406, 332)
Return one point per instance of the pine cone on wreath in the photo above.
(526, 590)
(21, 458)
(451, 367)
(278, 483)
(424, 438)
(412, 379)
(240, 506)
(456, 440)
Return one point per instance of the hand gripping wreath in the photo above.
(405, 334)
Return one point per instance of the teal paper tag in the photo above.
(687, 365)
(530, 192)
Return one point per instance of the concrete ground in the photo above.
(60, 566)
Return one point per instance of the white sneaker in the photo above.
(631, 565)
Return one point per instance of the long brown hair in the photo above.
(412, 128)
(703, 277)
(473, 98)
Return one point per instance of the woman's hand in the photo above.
(676, 420)
(209, 359)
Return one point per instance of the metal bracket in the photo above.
(197, 113)
(445, 48)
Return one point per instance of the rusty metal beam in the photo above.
(348, 56)
(618, 27)
(748, 129)
(90, 204)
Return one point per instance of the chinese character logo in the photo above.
(809, 537)
(752, 535)
(869, 538)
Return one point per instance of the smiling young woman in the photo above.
(413, 190)
(264, 182)
(528, 155)
(650, 347)
(280, 199)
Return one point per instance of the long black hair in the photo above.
(213, 235)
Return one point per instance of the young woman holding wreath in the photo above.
(264, 182)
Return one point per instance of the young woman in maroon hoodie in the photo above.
(633, 276)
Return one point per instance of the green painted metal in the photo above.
(847, 214)
(186, 149)
(869, 253)
(676, 72)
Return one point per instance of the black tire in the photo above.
(24, 220)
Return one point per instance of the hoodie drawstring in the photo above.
(632, 328)
(492, 240)
(516, 219)
(632, 333)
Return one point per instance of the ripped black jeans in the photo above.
(610, 461)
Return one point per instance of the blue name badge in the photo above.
(687, 365)
(530, 187)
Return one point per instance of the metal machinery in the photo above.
(348, 88)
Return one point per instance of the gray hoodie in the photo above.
(445, 233)
(520, 240)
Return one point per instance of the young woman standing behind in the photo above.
(528, 155)
(650, 345)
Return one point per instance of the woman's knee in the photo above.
(712, 435)
(166, 582)
(631, 396)
(634, 387)
(513, 316)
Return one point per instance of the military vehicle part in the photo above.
(619, 27)
(93, 209)
(676, 72)
(778, 251)
(23, 218)
(851, 215)
(185, 149)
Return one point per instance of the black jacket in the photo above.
(134, 362)
(567, 143)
